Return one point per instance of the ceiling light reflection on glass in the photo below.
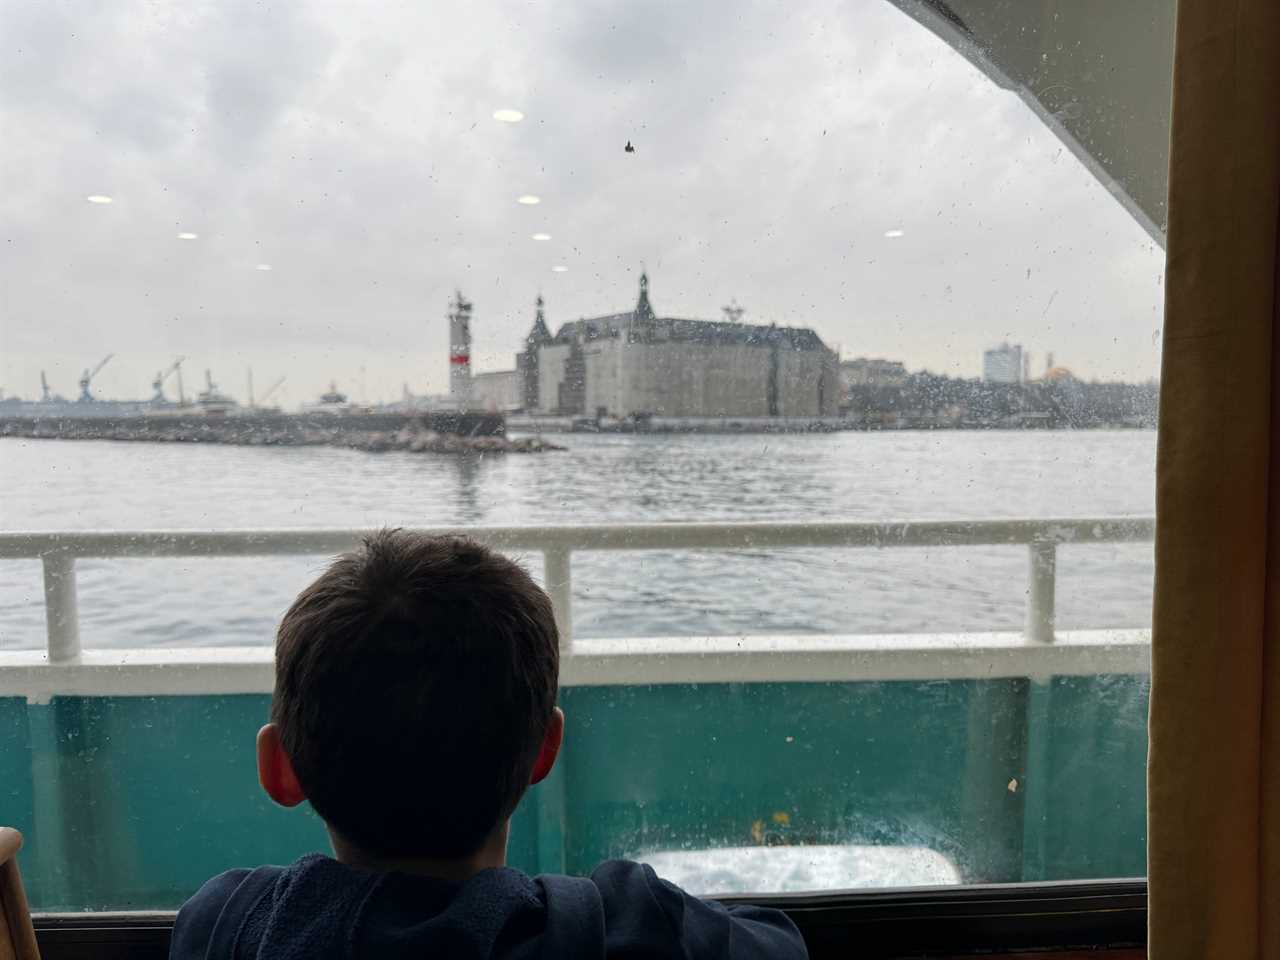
(893, 234)
(508, 115)
(263, 266)
(98, 198)
(559, 268)
(188, 236)
(529, 199)
(540, 236)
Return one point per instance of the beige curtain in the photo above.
(1214, 773)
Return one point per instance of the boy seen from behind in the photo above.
(415, 702)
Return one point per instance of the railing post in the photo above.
(62, 618)
(559, 580)
(1041, 576)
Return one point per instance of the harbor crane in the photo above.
(46, 392)
(86, 378)
(269, 391)
(158, 383)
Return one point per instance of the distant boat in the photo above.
(214, 402)
(331, 401)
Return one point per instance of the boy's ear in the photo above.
(550, 747)
(275, 772)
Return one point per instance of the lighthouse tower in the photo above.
(460, 352)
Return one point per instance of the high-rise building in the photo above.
(1003, 364)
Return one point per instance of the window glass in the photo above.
(844, 318)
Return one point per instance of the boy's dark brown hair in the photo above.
(414, 683)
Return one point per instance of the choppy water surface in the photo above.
(59, 485)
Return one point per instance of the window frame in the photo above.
(1073, 915)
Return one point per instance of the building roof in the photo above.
(641, 325)
(859, 362)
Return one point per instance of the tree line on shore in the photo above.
(928, 399)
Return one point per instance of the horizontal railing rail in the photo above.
(59, 552)
(614, 536)
(624, 661)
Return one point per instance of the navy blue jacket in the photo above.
(318, 908)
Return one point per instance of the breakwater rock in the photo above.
(354, 433)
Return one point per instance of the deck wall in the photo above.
(132, 802)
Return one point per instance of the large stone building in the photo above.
(639, 363)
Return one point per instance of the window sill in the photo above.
(1052, 918)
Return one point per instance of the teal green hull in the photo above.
(132, 802)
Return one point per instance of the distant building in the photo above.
(496, 392)
(639, 363)
(872, 372)
(1004, 364)
(1054, 373)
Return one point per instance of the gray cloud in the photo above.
(354, 151)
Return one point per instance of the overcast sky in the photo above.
(779, 150)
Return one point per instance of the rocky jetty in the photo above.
(412, 437)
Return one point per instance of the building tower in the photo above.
(527, 362)
(644, 310)
(460, 351)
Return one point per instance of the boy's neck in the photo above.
(492, 854)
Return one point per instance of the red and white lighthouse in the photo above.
(460, 352)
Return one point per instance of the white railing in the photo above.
(1039, 651)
